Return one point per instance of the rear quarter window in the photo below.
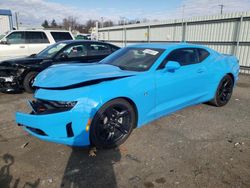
(99, 49)
(60, 36)
(203, 54)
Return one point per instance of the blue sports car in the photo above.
(100, 104)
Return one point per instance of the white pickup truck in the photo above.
(20, 43)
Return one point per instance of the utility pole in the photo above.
(16, 16)
(182, 23)
(101, 22)
(221, 8)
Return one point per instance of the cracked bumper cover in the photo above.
(54, 127)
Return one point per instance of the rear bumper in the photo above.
(67, 128)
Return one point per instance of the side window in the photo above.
(203, 54)
(99, 49)
(79, 50)
(114, 48)
(59, 36)
(16, 38)
(185, 56)
(35, 37)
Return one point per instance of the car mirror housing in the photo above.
(63, 56)
(172, 65)
(4, 41)
(32, 55)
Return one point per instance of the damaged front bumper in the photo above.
(48, 123)
(9, 84)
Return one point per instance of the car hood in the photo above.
(76, 75)
(21, 61)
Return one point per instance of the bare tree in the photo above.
(53, 24)
(45, 24)
(108, 23)
(69, 23)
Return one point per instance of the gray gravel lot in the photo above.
(201, 146)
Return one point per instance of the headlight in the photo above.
(46, 107)
(8, 79)
(65, 104)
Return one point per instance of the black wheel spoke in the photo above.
(121, 128)
(122, 114)
(226, 83)
(110, 136)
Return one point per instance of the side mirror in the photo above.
(4, 41)
(32, 55)
(172, 66)
(63, 56)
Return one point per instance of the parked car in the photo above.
(19, 74)
(83, 37)
(20, 43)
(100, 104)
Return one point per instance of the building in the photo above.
(6, 23)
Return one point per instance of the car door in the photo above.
(182, 87)
(98, 51)
(16, 45)
(37, 41)
(74, 53)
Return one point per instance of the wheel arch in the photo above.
(232, 76)
(26, 72)
(131, 102)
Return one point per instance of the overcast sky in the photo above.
(34, 12)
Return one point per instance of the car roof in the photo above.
(167, 45)
(83, 41)
(39, 30)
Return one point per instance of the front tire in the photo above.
(28, 82)
(112, 124)
(223, 92)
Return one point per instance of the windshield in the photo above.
(134, 59)
(51, 50)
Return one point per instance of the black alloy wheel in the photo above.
(224, 91)
(112, 124)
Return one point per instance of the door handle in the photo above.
(22, 46)
(201, 70)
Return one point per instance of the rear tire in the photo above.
(112, 124)
(28, 82)
(223, 92)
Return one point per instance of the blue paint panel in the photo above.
(155, 93)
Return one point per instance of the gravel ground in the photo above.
(201, 146)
